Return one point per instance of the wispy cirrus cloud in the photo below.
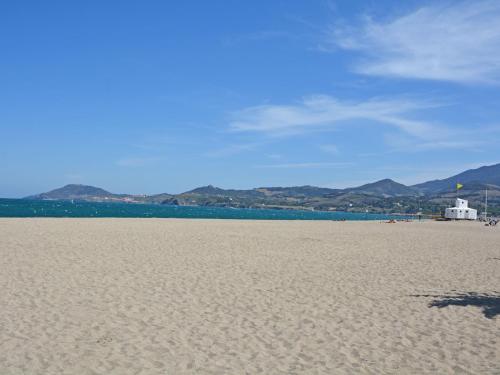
(329, 149)
(461, 141)
(323, 112)
(275, 156)
(455, 41)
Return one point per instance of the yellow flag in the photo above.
(459, 186)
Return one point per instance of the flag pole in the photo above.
(486, 204)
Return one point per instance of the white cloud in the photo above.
(458, 42)
(325, 112)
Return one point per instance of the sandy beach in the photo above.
(166, 296)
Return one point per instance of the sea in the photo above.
(52, 208)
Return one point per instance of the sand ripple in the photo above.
(140, 296)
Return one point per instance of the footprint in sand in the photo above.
(104, 340)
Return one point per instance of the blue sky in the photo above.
(157, 96)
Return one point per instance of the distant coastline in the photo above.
(384, 196)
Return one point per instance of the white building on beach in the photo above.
(461, 211)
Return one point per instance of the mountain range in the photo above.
(380, 196)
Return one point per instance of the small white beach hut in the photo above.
(461, 211)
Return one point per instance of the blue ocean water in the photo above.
(39, 208)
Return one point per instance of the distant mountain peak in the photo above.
(488, 174)
(73, 191)
(386, 187)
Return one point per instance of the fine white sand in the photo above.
(161, 296)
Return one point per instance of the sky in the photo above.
(147, 97)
